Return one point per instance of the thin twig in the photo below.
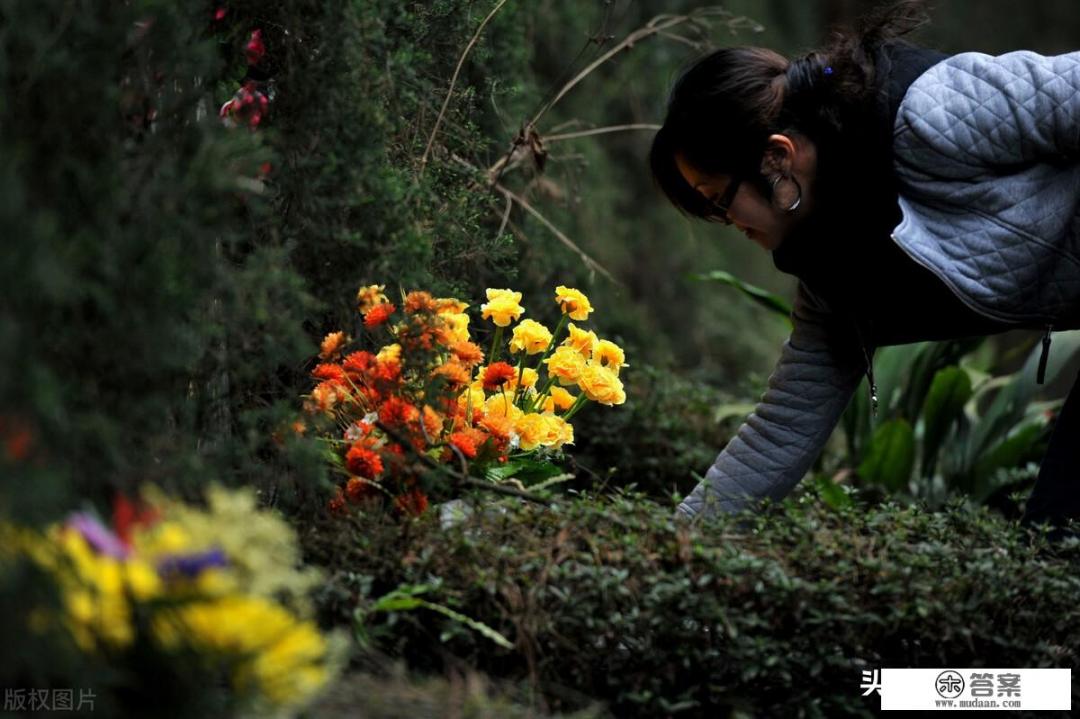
(453, 80)
(592, 264)
(600, 131)
(505, 218)
(658, 24)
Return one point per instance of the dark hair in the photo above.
(722, 109)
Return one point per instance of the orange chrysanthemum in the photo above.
(454, 373)
(467, 442)
(358, 362)
(378, 315)
(413, 502)
(331, 345)
(433, 422)
(467, 353)
(396, 412)
(363, 462)
(420, 302)
(329, 372)
(499, 426)
(358, 489)
(498, 374)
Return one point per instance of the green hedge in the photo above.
(615, 600)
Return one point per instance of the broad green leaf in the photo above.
(891, 455)
(831, 493)
(766, 299)
(1012, 452)
(949, 391)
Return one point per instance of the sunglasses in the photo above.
(718, 210)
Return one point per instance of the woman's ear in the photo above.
(778, 157)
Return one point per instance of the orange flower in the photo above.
(324, 396)
(369, 296)
(329, 372)
(499, 426)
(456, 375)
(378, 315)
(433, 422)
(498, 374)
(467, 353)
(413, 502)
(420, 302)
(358, 489)
(331, 345)
(336, 505)
(358, 362)
(396, 412)
(465, 442)
(363, 462)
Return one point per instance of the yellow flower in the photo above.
(559, 400)
(572, 302)
(557, 431)
(584, 341)
(389, 353)
(502, 307)
(273, 652)
(601, 385)
(472, 398)
(529, 377)
(610, 355)
(368, 297)
(450, 306)
(566, 364)
(531, 429)
(457, 325)
(501, 404)
(530, 337)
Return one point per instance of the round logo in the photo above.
(949, 684)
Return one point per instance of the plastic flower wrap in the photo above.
(416, 405)
(220, 586)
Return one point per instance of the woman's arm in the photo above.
(975, 112)
(819, 368)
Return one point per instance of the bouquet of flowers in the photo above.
(429, 403)
(214, 590)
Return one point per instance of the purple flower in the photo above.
(190, 565)
(97, 535)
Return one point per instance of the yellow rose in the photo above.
(530, 337)
(610, 355)
(457, 325)
(529, 376)
(370, 296)
(501, 404)
(559, 400)
(502, 307)
(584, 341)
(601, 385)
(566, 364)
(557, 431)
(572, 302)
(531, 430)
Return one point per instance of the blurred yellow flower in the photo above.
(450, 306)
(573, 302)
(389, 353)
(610, 355)
(532, 429)
(557, 431)
(584, 341)
(501, 404)
(502, 307)
(530, 337)
(602, 385)
(457, 325)
(566, 364)
(559, 400)
(370, 296)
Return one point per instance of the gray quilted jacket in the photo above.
(986, 151)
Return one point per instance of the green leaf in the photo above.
(832, 493)
(766, 299)
(480, 627)
(891, 455)
(1012, 452)
(949, 392)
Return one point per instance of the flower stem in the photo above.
(495, 340)
(578, 404)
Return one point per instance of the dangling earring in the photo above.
(794, 205)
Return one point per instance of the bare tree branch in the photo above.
(453, 80)
(600, 131)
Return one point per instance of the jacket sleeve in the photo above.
(973, 112)
(820, 366)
